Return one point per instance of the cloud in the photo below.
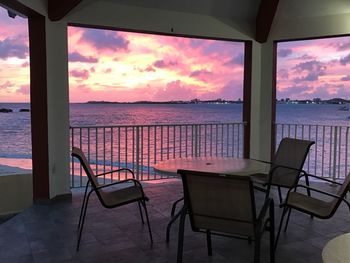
(283, 74)
(82, 74)
(164, 64)
(147, 69)
(6, 85)
(282, 53)
(103, 39)
(25, 64)
(231, 90)
(313, 69)
(342, 46)
(10, 47)
(201, 74)
(77, 57)
(346, 78)
(345, 60)
(237, 60)
(24, 89)
(306, 57)
(175, 90)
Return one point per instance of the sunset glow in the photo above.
(124, 66)
(314, 69)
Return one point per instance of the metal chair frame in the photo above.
(76, 152)
(287, 208)
(257, 222)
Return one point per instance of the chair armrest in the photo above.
(118, 182)
(318, 191)
(117, 170)
(315, 190)
(261, 161)
(136, 182)
(320, 178)
(286, 167)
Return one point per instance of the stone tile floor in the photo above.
(47, 233)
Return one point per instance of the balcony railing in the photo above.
(329, 157)
(140, 147)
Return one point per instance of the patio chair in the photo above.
(224, 205)
(286, 167)
(318, 207)
(109, 196)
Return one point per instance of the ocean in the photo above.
(15, 138)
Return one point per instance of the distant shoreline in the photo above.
(337, 101)
(219, 101)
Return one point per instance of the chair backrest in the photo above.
(342, 191)
(78, 153)
(220, 203)
(291, 153)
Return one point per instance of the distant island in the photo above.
(194, 101)
(314, 101)
(223, 101)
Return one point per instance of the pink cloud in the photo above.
(81, 74)
(77, 57)
(24, 89)
(6, 85)
(165, 64)
(104, 39)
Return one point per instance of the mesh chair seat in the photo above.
(122, 196)
(282, 181)
(317, 207)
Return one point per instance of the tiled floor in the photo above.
(47, 233)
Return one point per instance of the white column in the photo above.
(262, 85)
(58, 107)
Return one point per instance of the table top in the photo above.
(337, 250)
(222, 165)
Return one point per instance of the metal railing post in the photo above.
(137, 154)
(335, 152)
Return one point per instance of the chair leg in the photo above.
(147, 218)
(286, 225)
(308, 190)
(210, 251)
(280, 226)
(181, 235)
(143, 222)
(83, 205)
(272, 233)
(82, 221)
(257, 249)
(279, 194)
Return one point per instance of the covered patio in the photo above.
(46, 232)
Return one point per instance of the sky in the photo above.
(124, 66)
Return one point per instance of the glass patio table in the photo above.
(220, 165)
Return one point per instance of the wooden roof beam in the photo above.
(264, 19)
(57, 9)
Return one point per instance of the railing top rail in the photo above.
(314, 125)
(154, 125)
